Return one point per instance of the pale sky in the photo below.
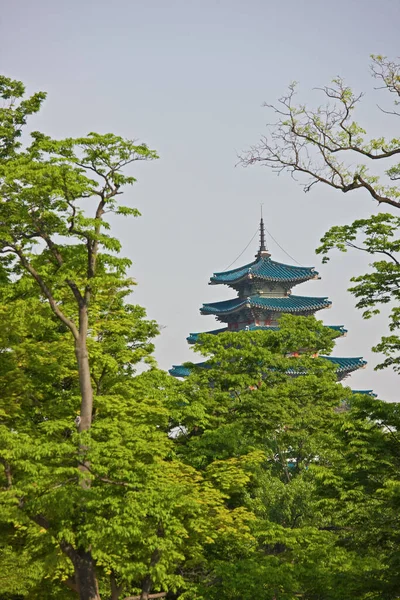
(189, 78)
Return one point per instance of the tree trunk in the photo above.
(85, 575)
(7, 472)
(115, 589)
(85, 382)
(146, 588)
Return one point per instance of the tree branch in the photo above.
(70, 583)
(46, 291)
(329, 131)
(394, 259)
(7, 472)
(372, 191)
(150, 596)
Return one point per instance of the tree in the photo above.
(94, 499)
(326, 145)
(268, 428)
(361, 490)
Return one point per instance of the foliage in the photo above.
(363, 495)
(258, 476)
(326, 146)
(94, 499)
(378, 235)
(142, 499)
(271, 443)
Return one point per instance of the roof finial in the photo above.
(263, 249)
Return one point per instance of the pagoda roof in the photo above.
(265, 269)
(286, 304)
(193, 338)
(182, 371)
(344, 366)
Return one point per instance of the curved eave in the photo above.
(339, 328)
(344, 366)
(365, 393)
(229, 306)
(182, 371)
(193, 338)
(287, 304)
(255, 277)
(265, 269)
(287, 308)
(179, 371)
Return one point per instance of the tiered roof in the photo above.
(344, 366)
(182, 371)
(263, 295)
(265, 269)
(193, 338)
(287, 304)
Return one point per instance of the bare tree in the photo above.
(326, 145)
(321, 143)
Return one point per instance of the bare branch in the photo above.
(387, 71)
(307, 141)
(393, 258)
(372, 191)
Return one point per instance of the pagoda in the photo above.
(264, 293)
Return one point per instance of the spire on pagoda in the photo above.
(263, 249)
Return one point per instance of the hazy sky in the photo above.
(189, 77)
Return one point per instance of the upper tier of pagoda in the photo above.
(266, 270)
(263, 274)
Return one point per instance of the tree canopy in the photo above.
(326, 145)
(259, 476)
(94, 492)
(308, 458)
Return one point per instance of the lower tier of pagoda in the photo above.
(344, 366)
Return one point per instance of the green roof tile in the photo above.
(365, 392)
(180, 371)
(194, 337)
(266, 269)
(346, 365)
(343, 366)
(287, 304)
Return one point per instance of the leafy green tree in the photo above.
(268, 440)
(326, 145)
(378, 236)
(95, 500)
(361, 490)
